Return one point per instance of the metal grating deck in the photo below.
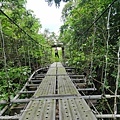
(71, 108)
(60, 99)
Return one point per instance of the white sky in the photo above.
(50, 17)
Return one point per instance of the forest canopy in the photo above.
(90, 35)
(23, 48)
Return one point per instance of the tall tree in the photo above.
(91, 36)
(22, 47)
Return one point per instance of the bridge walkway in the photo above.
(57, 98)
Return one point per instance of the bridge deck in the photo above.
(61, 100)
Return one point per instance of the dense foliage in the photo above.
(23, 48)
(91, 46)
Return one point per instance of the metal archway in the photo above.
(62, 47)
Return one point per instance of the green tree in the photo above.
(22, 47)
(92, 46)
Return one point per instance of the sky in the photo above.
(50, 17)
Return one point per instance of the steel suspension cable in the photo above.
(96, 20)
(99, 17)
(20, 28)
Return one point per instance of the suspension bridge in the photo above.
(56, 91)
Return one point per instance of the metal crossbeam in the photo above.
(43, 109)
(56, 97)
(97, 115)
(72, 108)
(87, 89)
(27, 92)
